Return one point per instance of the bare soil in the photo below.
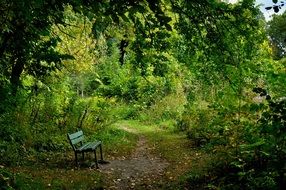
(140, 170)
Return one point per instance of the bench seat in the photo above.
(90, 146)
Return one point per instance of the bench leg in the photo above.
(101, 156)
(96, 162)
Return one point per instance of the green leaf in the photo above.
(124, 18)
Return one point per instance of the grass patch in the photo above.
(44, 178)
(116, 142)
(173, 146)
(56, 169)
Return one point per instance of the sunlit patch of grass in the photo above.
(185, 159)
(116, 141)
(174, 147)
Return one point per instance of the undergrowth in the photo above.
(55, 169)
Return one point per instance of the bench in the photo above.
(79, 147)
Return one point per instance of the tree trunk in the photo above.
(17, 70)
(123, 45)
(83, 116)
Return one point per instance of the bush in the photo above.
(170, 107)
(13, 139)
(12, 153)
(248, 155)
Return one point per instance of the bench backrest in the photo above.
(75, 138)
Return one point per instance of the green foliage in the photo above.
(277, 32)
(22, 180)
(12, 153)
(273, 134)
(249, 152)
(9, 181)
(85, 64)
(170, 107)
(13, 138)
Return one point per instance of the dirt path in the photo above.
(141, 170)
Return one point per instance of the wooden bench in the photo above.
(77, 142)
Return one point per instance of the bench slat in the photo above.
(83, 147)
(75, 135)
(93, 145)
(89, 146)
(77, 140)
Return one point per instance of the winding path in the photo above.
(141, 170)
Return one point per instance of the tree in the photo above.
(276, 30)
(25, 41)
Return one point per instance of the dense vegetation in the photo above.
(211, 69)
